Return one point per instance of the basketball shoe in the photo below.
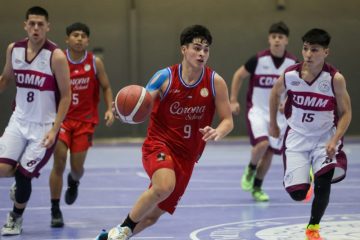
(57, 220)
(116, 233)
(312, 232)
(247, 179)
(72, 190)
(259, 195)
(13, 225)
(119, 233)
(102, 236)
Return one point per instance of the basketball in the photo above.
(133, 104)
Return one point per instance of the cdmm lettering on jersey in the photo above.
(267, 81)
(310, 101)
(30, 79)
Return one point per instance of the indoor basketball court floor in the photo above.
(213, 208)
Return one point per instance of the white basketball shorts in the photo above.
(301, 152)
(258, 128)
(21, 146)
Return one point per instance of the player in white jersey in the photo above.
(263, 69)
(318, 112)
(42, 78)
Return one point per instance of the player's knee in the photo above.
(323, 183)
(59, 167)
(6, 170)
(262, 145)
(60, 153)
(163, 191)
(298, 195)
(59, 163)
(77, 171)
(23, 188)
(324, 179)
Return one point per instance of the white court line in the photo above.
(265, 204)
(130, 189)
(236, 188)
(267, 181)
(142, 175)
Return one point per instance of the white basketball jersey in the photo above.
(263, 79)
(311, 107)
(36, 87)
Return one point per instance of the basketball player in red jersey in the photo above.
(318, 112)
(186, 97)
(87, 75)
(40, 71)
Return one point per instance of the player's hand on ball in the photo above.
(116, 115)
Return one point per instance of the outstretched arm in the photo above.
(107, 92)
(223, 110)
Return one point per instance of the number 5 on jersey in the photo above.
(75, 98)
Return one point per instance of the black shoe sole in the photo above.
(57, 220)
(57, 225)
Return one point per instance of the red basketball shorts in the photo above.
(77, 135)
(159, 156)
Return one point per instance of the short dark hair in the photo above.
(195, 31)
(279, 27)
(78, 26)
(317, 36)
(36, 10)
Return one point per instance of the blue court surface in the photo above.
(213, 208)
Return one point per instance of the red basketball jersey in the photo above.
(85, 89)
(180, 112)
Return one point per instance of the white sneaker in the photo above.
(12, 191)
(12, 225)
(119, 233)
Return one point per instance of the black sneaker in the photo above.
(72, 190)
(57, 220)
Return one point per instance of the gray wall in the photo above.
(141, 36)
